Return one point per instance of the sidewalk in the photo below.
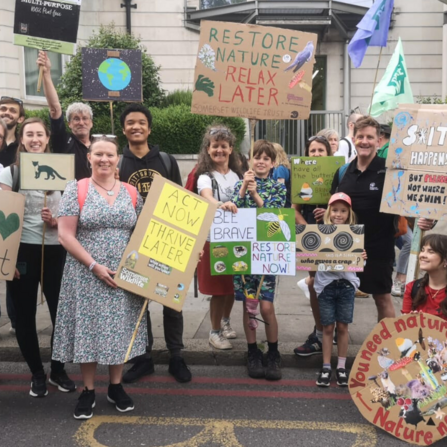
(292, 309)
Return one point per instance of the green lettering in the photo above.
(276, 59)
(213, 34)
(243, 54)
(280, 41)
(291, 43)
(238, 38)
(231, 55)
(254, 37)
(264, 58)
(226, 38)
(264, 44)
(220, 53)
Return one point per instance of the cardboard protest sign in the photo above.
(311, 179)
(111, 75)
(329, 248)
(416, 178)
(253, 241)
(253, 71)
(398, 379)
(163, 252)
(12, 208)
(47, 25)
(46, 172)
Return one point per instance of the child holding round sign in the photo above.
(258, 190)
(429, 293)
(336, 294)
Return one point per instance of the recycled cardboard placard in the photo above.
(398, 379)
(258, 241)
(253, 71)
(416, 178)
(327, 248)
(48, 25)
(46, 172)
(162, 254)
(312, 179)
(111, 75)
(12, 208)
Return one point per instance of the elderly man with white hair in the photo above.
(79, 117)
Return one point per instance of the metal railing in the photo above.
(292, 134)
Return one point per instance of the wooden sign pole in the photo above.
(134, 336)
(39, 80)
(375, 79)
(111, 117)
(252, 137)
(43, 252)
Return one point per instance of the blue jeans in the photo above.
(404, 255)
(336, 302)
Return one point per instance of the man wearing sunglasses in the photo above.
(12, 113)
(80, 121)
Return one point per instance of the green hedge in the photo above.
(175, 129)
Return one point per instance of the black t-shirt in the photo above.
(64, 142)
(365, 190)
(8, 155)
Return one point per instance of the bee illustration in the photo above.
(275, 224)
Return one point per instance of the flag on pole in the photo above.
(372, 30)
(394, 88)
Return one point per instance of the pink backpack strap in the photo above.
(82, 192)
(132, 192)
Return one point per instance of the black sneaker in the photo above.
(38, 385)
(179, 369)
(342, 377)
(254, 364)
(85, 405)
(142, 367)
(116, 395)
(62, 381)
(324, 378)
(273, 369)
(310, 347)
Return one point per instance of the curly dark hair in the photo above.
(217, 132)
(136, 108)
(438, 243)
(318, 139)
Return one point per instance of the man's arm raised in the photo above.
(43, 61)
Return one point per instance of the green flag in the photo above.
(394, 88)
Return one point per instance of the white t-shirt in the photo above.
(225, 184)
(32, 220)
(323, 279)
(343, 150)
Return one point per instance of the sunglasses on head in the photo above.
(221, 130)
(17, 100)
(318, 138)
(103, 135)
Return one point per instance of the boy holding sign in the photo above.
(258, 190)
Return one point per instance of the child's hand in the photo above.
(249, 176)
(364, 255)
(229, 206)
(319, 213)
(252, 187)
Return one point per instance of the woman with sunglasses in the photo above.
(33, 138)
(317, 146)
(96, 319)
(218, 170)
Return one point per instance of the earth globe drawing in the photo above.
(114, 74)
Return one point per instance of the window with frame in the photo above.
(32, 71)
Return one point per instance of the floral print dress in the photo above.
(95, 322)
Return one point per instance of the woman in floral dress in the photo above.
(95, 318)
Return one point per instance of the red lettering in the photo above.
(381, 415)
(407, 434)
(241, 75)
(271, 77)
(400, 325)
(371, 346)
(366, 355)
(364, 367)
(261, 77)
(260, 96)
(411, 322)
(250, 90)
(428, 438)
(377, 339)
(384, 333)
(354, 383)
(230, 72)
(238, 92)
(220, 95)
(272, 95)
(249, 76)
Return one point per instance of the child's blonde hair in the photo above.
(352, 218)
(281, 156)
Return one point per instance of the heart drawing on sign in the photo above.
(8, 225)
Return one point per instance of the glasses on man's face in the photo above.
(78, 119)
(222, 130)
(10, 98)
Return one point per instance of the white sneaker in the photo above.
(227, 330)
(304, 287)
(218, 341)
(396, 290)
(12, 331)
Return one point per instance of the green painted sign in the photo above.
(311, 179)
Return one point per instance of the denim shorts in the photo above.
(336, 302)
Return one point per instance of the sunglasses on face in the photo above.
(9, 98)
(103, 135)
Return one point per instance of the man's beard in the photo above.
(11, 124)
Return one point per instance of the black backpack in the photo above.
(350, 147)
(415, 288)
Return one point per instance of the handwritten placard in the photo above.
(398, 379)
(162, 254)
(312, 178)
(253, 241)
(12, 208)
(325, 248)
(416, 179)
(253, 71)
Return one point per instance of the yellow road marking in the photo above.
(221, 431)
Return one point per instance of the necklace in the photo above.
(109, 191)
(433, 295)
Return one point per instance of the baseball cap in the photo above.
(340, 196)
(385, 129)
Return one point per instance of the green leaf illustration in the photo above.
(205, 85)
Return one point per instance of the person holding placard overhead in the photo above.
(96, 319)
(34, 137)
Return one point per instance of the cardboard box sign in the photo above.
(48, 25)
(334, 248)
(312, 178)
(46, 172)
(398, 379)
(416, 177)
(12, 208)
(257, 241)
(111, 75)
(162, 254)
(253, 71)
